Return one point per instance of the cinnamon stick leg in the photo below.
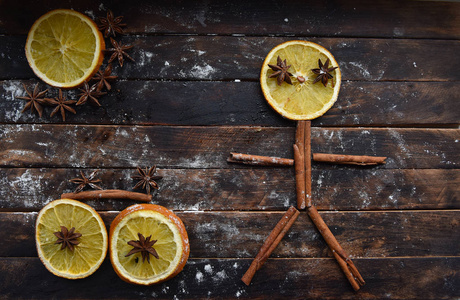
(361, 160)
(270, 243)
(345, 263)
(259, 160)
(108, 194)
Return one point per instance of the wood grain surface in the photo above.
(192, 96)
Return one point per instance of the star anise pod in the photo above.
(89, 93)
(323, 72)
(103, 78)
(281, 71)
(143, 245)
(68, 238)
(35, 100)
(62, 104)
(118, 52)
(147, 179)
(84, 181)
(110, 25)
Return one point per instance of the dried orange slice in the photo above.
(304, 99)
(64, 48)
(148, 244)
(71, 238)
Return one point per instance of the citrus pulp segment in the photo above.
(303, 100)
(64, 48)
(164, 227)
(87, 255)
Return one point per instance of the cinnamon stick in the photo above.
(307, 161)
(299, 177)
(271, 243)
(108, 194)
(299, 164)
(345, 263)
(302, 162)
(259, 160)
(361, 160)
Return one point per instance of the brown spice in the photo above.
(91, 94)
(345, 263)
(110, 25)
(147, 179)
(35, 100)
(68, 238)
(84, 181)
(144, 246)
(119, 52)
(104, 77)
(323, 72)
(281, 71)
(271, 243)
(62, 104)
(108, 194)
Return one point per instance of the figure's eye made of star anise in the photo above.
(323, 72)
(281, 71)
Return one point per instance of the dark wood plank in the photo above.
(305, 18)
(399, 278)
(230, 58)
(246, 189)
(242, 103)
(209, 147)
(241, 234)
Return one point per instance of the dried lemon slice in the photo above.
(78, 255)
(64, 48)
(148, 244)
(303, 100)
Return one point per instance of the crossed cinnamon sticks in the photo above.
(302, 164)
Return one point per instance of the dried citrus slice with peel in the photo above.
(64, 48)
(303, 100)
(143, 225)
(85, 253)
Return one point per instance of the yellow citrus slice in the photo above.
(89, 249)
(64, 48)
(160, 229)
(303, 100)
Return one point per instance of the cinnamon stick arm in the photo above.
(271, 243)
(362, 160)
(108, 194)
(345, 263)
(259, 160)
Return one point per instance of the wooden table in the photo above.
(192, 96)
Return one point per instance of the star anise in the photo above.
(143, 245)
(84, 181)
(281, 71)
(89, 93)
(118, 52)
(111, 25)
(323, 72)
(68, 238)
(147, 179)
(62, 104)
(103, 78)
(34, 100)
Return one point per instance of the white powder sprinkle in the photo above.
(199, 277)
(208, 269)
